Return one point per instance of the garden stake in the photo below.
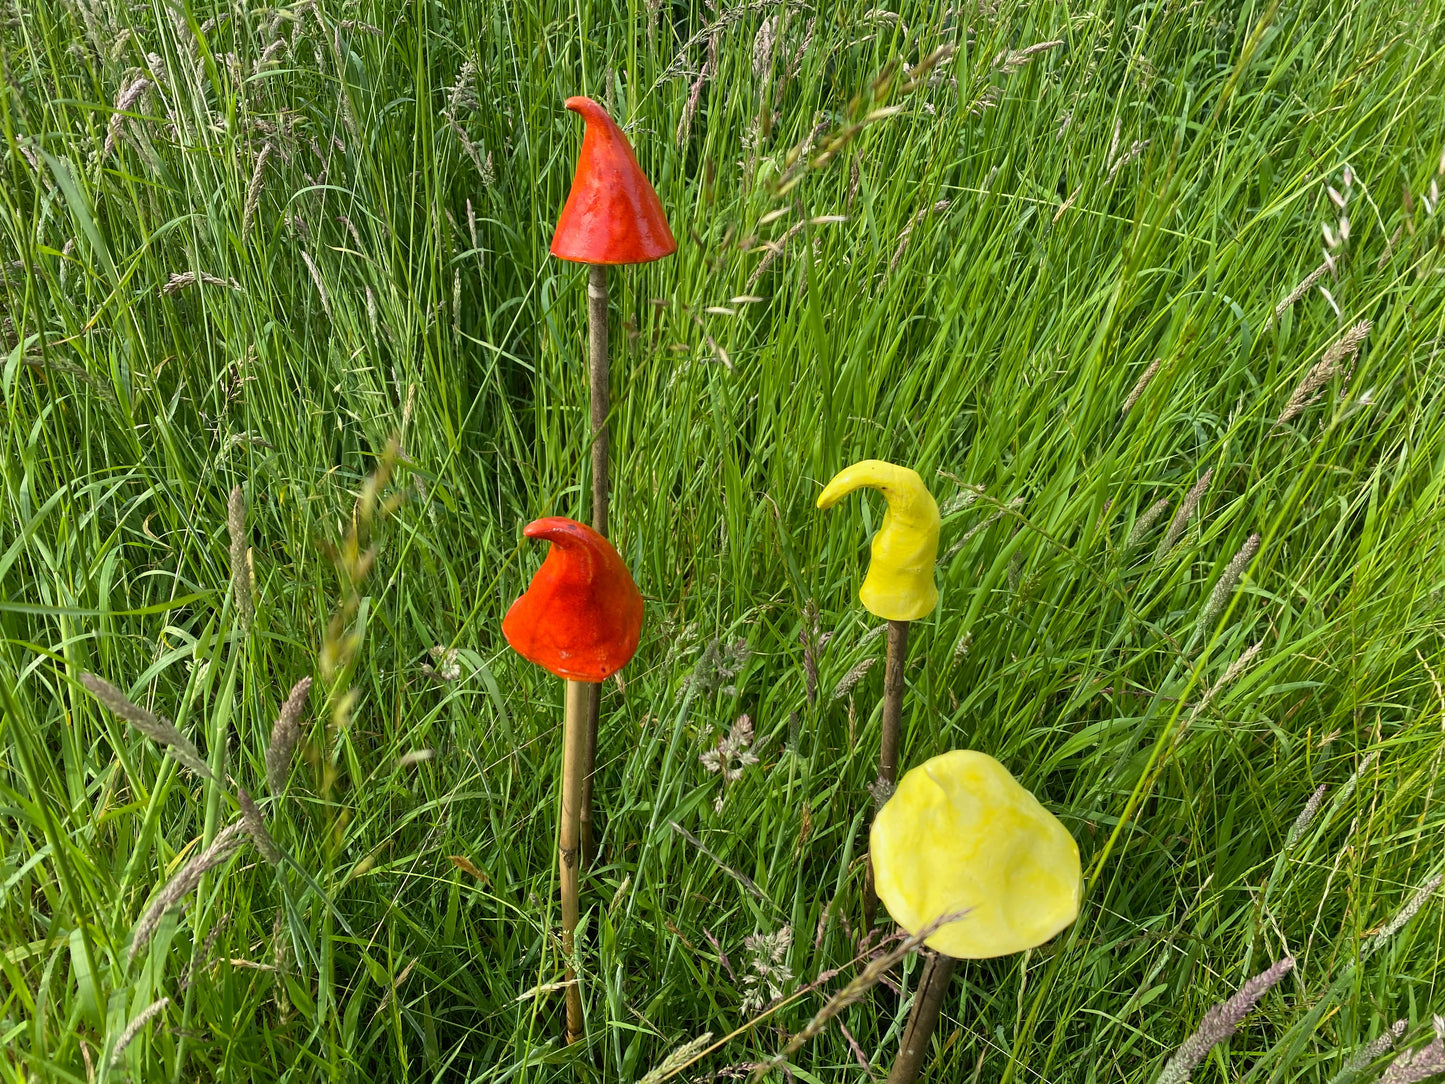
(899, 587)
(960, 835)
(612, 216)
(580, 618)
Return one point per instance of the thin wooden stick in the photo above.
(893, 686)
(927, 1004)
(574, 748)
(601, 396)
(601, 493)
(589, 760)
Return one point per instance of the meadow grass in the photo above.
(1191, 567)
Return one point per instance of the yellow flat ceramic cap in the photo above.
(961, 834)
(899, 585)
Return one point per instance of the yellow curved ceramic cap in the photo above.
(961, 834)
(899, 585)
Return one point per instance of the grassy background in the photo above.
(1023, 237)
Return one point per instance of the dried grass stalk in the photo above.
(775, 249)
(1139, 386)
(1336, 360)
(159, 730)
(240, 566)
(1304, 287)
(126, 100)
(1228, 581)
(689, 111)
(1011, 60)
(316, 278)
(1221, 1022)
(1145, 523)
(1139, 147)
(226, 843)
(256, 828)
(936, 208)
(284, 736)
(253, 190)
(1182, 517)
(144, 1017)
(180, 280)
(854, 992)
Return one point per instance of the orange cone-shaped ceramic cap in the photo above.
(612, 214)
(582, 615)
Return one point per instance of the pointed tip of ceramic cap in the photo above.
(612, 214)
(899, 585)
(581, 616)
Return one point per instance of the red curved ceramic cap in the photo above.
(582, 615)
(612, 214)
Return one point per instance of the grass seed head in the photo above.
(1221, 1022)
(284, 735)
(1228, 581)
(256, 828)
(142, 1018)
(1145, 523)
(851, 678)
(240, 565)
(159, 730)
(1340, 355)
(1181, 519)
(1139, 386)
(226, 843)
(1413, 1066)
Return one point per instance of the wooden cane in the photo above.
(927, 1005)
(601, 439)
(893, 686)
(574, 756)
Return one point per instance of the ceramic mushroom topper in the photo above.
(580, 618)
(961, 835)
(899, 587)
(612, 216)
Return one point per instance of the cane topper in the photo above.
(960, 834)
(612, 215)
(581, 616)
(899, 585)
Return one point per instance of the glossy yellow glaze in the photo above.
(899, 585)
(959, 834)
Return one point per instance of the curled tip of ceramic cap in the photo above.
(612, 214)
(581, 616)
(960, 834)
(899, 585)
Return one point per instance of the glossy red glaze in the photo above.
(612, 214)
(582, 615)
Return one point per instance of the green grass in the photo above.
(1193, 144)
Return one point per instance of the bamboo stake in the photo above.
(893, 686)
(574, 748)
(601, 492)
(927, 1004)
